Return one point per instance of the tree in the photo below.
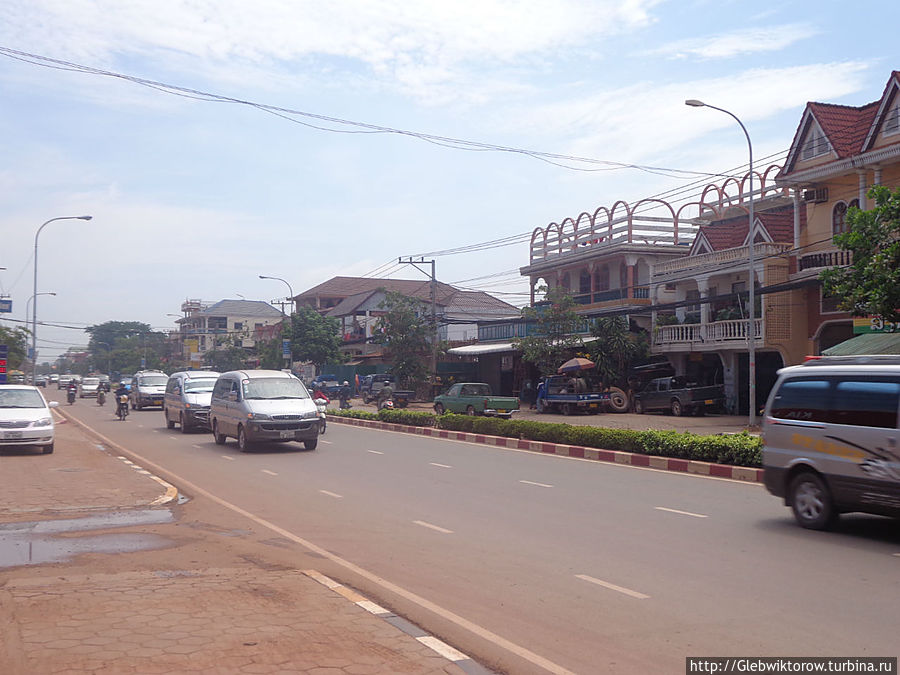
(557, 325)
(403, 330)
(870, 285)
(124, 345)
(615, 348)
(225, 357)
(315, 337)
(17, 341)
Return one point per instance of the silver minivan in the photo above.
(262, 405)
(830, 435)
(187, 399)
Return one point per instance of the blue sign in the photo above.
(286, 348)
(5, 305)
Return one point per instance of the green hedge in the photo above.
(737, 449)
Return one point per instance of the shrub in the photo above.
(413, 418)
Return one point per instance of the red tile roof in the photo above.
(845, 126)
(730, 233)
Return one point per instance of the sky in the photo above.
(304, 139)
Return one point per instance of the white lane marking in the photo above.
(199, 447)
(332, 494)
(897, 555)
(432, 527)
(683, 513)
(421, 601)
(271, 473)
(375, 452)
(442, 648)
(443, 466)
(141, 426)
(531, 482)
(327, 442)
(226, 457)
(612, 587)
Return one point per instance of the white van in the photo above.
(148, 387)
(830, 435)
(262, 405)
(187, 399)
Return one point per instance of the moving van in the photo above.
(262, 405)
(830, 438)
(187, 399)
(148, 387)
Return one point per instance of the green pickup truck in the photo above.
(475, 398)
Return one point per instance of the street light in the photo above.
(27, 312)
(290, 290)
(751, 310)
(34, 307)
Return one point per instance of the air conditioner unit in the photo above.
(816, 196)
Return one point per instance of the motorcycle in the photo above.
(101, 396)
(320, 409)
(387, 404)
(122, 407)
(70, 396)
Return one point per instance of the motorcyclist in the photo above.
(72, 391)
(345, 395)
(121, 391)
(386, 394)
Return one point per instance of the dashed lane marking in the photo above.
(199, 447)
(171, 491)
(531, 482)
(271, 473)
(375, 452)
(683, 513)
(613, 587)
(432, 527)
(228, 457)
(443, 466)
(332, 494)
(327, 442)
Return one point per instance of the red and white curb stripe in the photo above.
(742, 473)
(433, 643)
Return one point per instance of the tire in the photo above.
(169, 423)
(47, 449)
(217, 437)
(311, 445)
(638, 406)
(185, 428)
(618, 400)
(677, 408)
(470, 411)
(439, 409)
(243, 443)
(811, 502)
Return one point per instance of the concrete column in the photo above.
(797, 206)
(877, 180)
(862, 188)
(629, 276)
(703, 287)
(729, 380)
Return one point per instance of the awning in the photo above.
(487, 348)
(867, 343)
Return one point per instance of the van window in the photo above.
(867, 403)
(802, 399)
(205, 384)
(274, 388)
(223, 386)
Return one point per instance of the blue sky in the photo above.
(195, 199)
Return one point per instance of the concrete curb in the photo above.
(742, 473)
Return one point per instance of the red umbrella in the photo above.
(575, 365)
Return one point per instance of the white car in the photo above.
(25, 417)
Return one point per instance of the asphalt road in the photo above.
(538, 563)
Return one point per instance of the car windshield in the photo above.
(274, 388)
(153, 380)
(90, 381)
(199, 385)
(20, 398)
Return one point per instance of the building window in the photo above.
(839, 218)
(584, 283)
(892, 119)
(603, 278)
(816, 144)
(239, 325)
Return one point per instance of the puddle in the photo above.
(38, 542)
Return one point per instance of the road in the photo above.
(537, 563)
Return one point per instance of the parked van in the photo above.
(148, 387)
(187, 399)
(262, 405)
(830, 434)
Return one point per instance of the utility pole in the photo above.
(434, 327)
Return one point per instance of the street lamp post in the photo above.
(34, 307)
(27, 312)
(751, 309)
(290, 290)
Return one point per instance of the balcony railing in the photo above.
(717, 259)
(717, 332)
(824, 259)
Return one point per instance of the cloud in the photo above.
(738, 43)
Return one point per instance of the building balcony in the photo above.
(718, 334)
(715, 261)
(824, 259)
(614, 297)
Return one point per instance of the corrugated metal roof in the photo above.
(241, 308)
(867, 343)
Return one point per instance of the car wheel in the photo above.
(169, 423)
(470, 410)
(438, 409)
(811, 502)
(47, 449)
(184, 427)
(677, 410)
(618, 400)
(243, 443)
(217, 437)
(311, 445)
(638, 406)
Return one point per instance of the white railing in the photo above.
(718, 258)
(717, 332)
